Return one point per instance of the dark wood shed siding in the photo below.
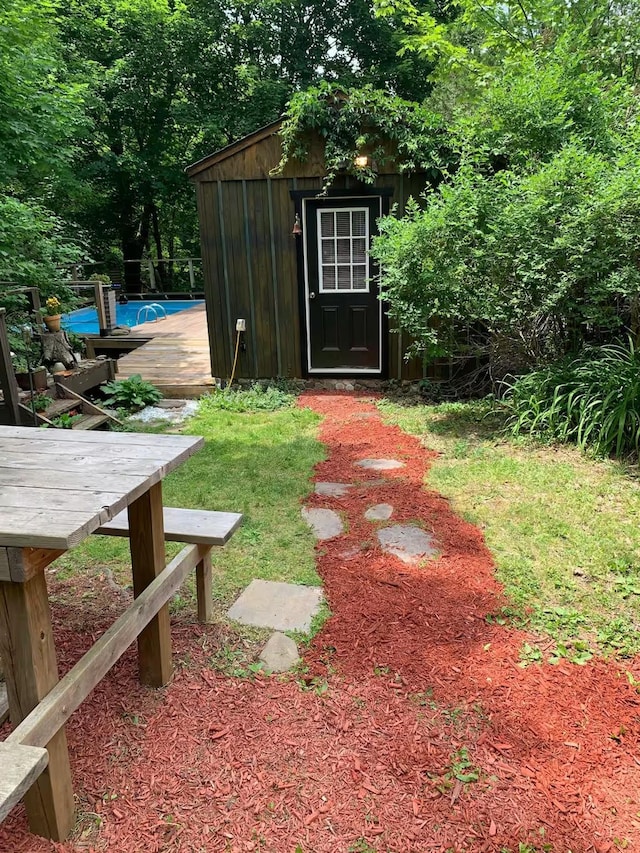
(249, 256)
(249, 264)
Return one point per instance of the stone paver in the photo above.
(380, 464)
(280, 653)
(281, 606)
(379, 512)
(332, 490)
(407, 542)
(325, 523)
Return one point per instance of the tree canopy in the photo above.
(532, 236)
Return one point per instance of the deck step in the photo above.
(90, 421)
(58, 407)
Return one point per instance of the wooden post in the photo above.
(100, 308)
(203, 589)
(146, 541)
(152, 274)
(31, 671)
(8, 382)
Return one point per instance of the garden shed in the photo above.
(293, 263)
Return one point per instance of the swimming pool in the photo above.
(84, 321)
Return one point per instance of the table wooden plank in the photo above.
(206, 527)
(20, 766)
(57, 529)
(52, 480)
(83, 448)
(72, 499)
(115, 439)
(78, 464)
(21, 564)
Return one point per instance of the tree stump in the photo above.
(56, 347)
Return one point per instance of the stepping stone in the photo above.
(407, 542)
(280, 653)
(380, 464)
(332, 490)
(379, 512)
(281, 606)
(325, 523)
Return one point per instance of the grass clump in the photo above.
(562, 528)
(256, 398)
(259, 465)
(592, 400)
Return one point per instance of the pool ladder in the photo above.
(153, 308)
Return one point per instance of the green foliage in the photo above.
(40, 402)
(527, 248)
(40, 112)
(363, 122)
(255, 399)
(66, 420)
(130, 394)
(551, 250)
(592, 400)
(462, 768)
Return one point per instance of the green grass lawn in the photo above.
(564, 529)
(259, 464)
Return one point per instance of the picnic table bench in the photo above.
(55, 490)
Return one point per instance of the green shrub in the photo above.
(130, 394)
(66, 420)
(592, 400)
(254, 399)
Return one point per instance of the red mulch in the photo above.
(406, 675)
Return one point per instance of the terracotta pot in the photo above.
(38, 379)
(52, 322)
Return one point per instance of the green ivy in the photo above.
(364, 122)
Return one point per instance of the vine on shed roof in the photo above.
(363, 122)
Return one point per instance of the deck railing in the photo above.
(169, 275)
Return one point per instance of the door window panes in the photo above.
(343, 244)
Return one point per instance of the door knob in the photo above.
(312, 296)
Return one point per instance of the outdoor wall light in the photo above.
(297, 227)
(361, 161)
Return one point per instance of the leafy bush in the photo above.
(592, 400)
(130, 394)
(254, 399)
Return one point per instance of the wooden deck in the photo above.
(176, 360)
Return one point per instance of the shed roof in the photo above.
(234, 148)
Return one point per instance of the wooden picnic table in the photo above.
(56, 488)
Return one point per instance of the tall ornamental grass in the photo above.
(592, 400)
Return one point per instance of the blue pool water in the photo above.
(84, 321)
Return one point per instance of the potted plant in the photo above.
(27, 365)
(52, 314)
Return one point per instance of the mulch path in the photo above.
(414, 729)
